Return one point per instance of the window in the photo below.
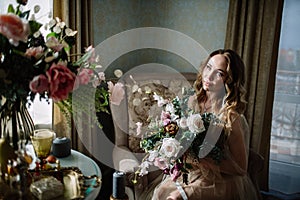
(285, 135)
(40, 111)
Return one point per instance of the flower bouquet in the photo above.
(32, 63)
(180, 131)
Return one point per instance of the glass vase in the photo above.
(16, 124)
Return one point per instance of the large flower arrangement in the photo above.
(180, 131)
(31, 63)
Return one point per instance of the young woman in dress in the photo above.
(220, 90)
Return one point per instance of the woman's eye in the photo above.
(220, 74)
(208, 67)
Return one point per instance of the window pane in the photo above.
(40, 111)
(285, 136)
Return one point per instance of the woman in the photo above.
(220, 90)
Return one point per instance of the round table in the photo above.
(87, 166)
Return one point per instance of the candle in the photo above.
(119, 185)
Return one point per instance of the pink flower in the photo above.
(84, 76)
(91, 50)
(14, 28)
(54, 44)
(116, 92)
(61, 81)
(101, 76)
(39, 84)
(35, 52)
(160, 163)
(165, 117)
(176, 172)
(97, 81)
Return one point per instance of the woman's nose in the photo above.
(210, 76)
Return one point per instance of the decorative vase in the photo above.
(16, 124)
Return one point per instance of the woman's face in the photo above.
(214, 74)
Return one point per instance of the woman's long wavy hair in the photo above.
(234, 101)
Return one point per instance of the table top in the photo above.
(87, 166)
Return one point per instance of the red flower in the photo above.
(14, 28)
(61, 81)
(39, 84)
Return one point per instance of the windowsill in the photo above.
(284, 177)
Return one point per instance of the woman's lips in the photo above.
(207, 84)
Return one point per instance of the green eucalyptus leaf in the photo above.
(34, 26)
(11, 9)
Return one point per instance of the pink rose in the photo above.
(61, 81)
(35, 52)
(54, 44)
(39, 84)
(14, 28)
(84, 76)
(116, 92)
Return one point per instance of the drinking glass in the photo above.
(42, 141)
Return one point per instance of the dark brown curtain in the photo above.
(76, 14)
(253, 31)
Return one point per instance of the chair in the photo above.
(127, 154)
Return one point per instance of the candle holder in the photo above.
(119, 186)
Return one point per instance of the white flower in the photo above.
(170, 108)
(152, 155)
(183, 122)
(170, 147)
(144, 167)
(195, 123)
(70, 32)
(160, 101)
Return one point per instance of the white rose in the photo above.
(195, 123)
(183, 123)
(170, 147)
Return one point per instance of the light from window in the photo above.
(285, 135)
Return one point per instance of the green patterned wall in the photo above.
(202, 20)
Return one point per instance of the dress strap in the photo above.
(179, 187)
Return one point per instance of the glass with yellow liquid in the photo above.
(42, 141)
